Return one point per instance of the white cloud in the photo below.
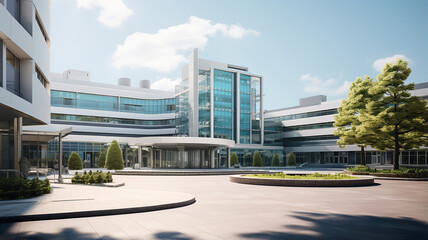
(166, 84)
(163, 51)
(380, 63)
(112, 12)
(330, 86)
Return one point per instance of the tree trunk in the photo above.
(397, 150)
(363, 156)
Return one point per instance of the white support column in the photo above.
(151, 157)
(228, 157)
(140, 156)
(17, 138)
(60, 158)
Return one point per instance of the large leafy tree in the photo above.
(398, 119)
(348, 123)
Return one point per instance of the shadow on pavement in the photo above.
(66, 233)
(340, 226)
(172, 235)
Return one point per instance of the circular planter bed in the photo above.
(358, 181)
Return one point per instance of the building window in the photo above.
(41, 78)
(12, 73)
(13, 6)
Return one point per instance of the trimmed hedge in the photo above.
(257, 159)
(291, 159)
(403, 172)
(114, 160)
(234, 159)
(275, 160)
(92, 177)
(75, 162)
(18, 188)
(101, 162)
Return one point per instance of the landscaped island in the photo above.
(302, 176)
(303, 180)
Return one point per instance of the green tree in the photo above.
(291, 161)
(114, 160)
(257, 159)
(75, 162)
(348, 119)
(234, 159)
(275, 161)
(398, 119)
(101, 162)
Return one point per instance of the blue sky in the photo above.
(302, 48)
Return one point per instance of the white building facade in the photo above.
(24, 73)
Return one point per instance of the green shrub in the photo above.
(114, 160)
(94, 177)
(18, 188)
(101, 162)
(234, 159)
(275, 160)
(257, 159)
(291, 161)
(74, 162)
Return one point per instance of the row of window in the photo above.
(310, 126)
(111, 103)
(304, 115)
(69, 117)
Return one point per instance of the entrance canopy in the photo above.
(43, 133)
(173, 142)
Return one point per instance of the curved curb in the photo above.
(398, 178)
(187, 173)
(360, 181)
(95, 213)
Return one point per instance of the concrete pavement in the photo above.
(225, 210)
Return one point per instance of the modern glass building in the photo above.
(307, 131)
(24, 75)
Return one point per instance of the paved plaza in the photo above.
(225, 210)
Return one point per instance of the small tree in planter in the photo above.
(74, 162)
(114, 160)
(257, 159)
(101, 162)
(291, 159)
(275, 161)
(234, 159)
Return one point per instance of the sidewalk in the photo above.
(71, 201)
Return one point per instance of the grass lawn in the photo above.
(316, 176)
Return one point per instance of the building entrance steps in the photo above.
(73, 201)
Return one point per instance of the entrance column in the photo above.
(60, 158)
(151, 157)
(228, 157)
(181, 157)
(17, 138)
(140, 156)
(212, 156)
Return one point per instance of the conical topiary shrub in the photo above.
(101, 162)
(234, 159)
(114, 160)
(74, 162)
(275, 161)
(291, 159)
(257, 159)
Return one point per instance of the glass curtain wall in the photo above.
(182, 113)
(224, 104)
(13, 83)
(111, 103)
(245, 156)
(255, 110)
(245, 106)
(204, 91)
